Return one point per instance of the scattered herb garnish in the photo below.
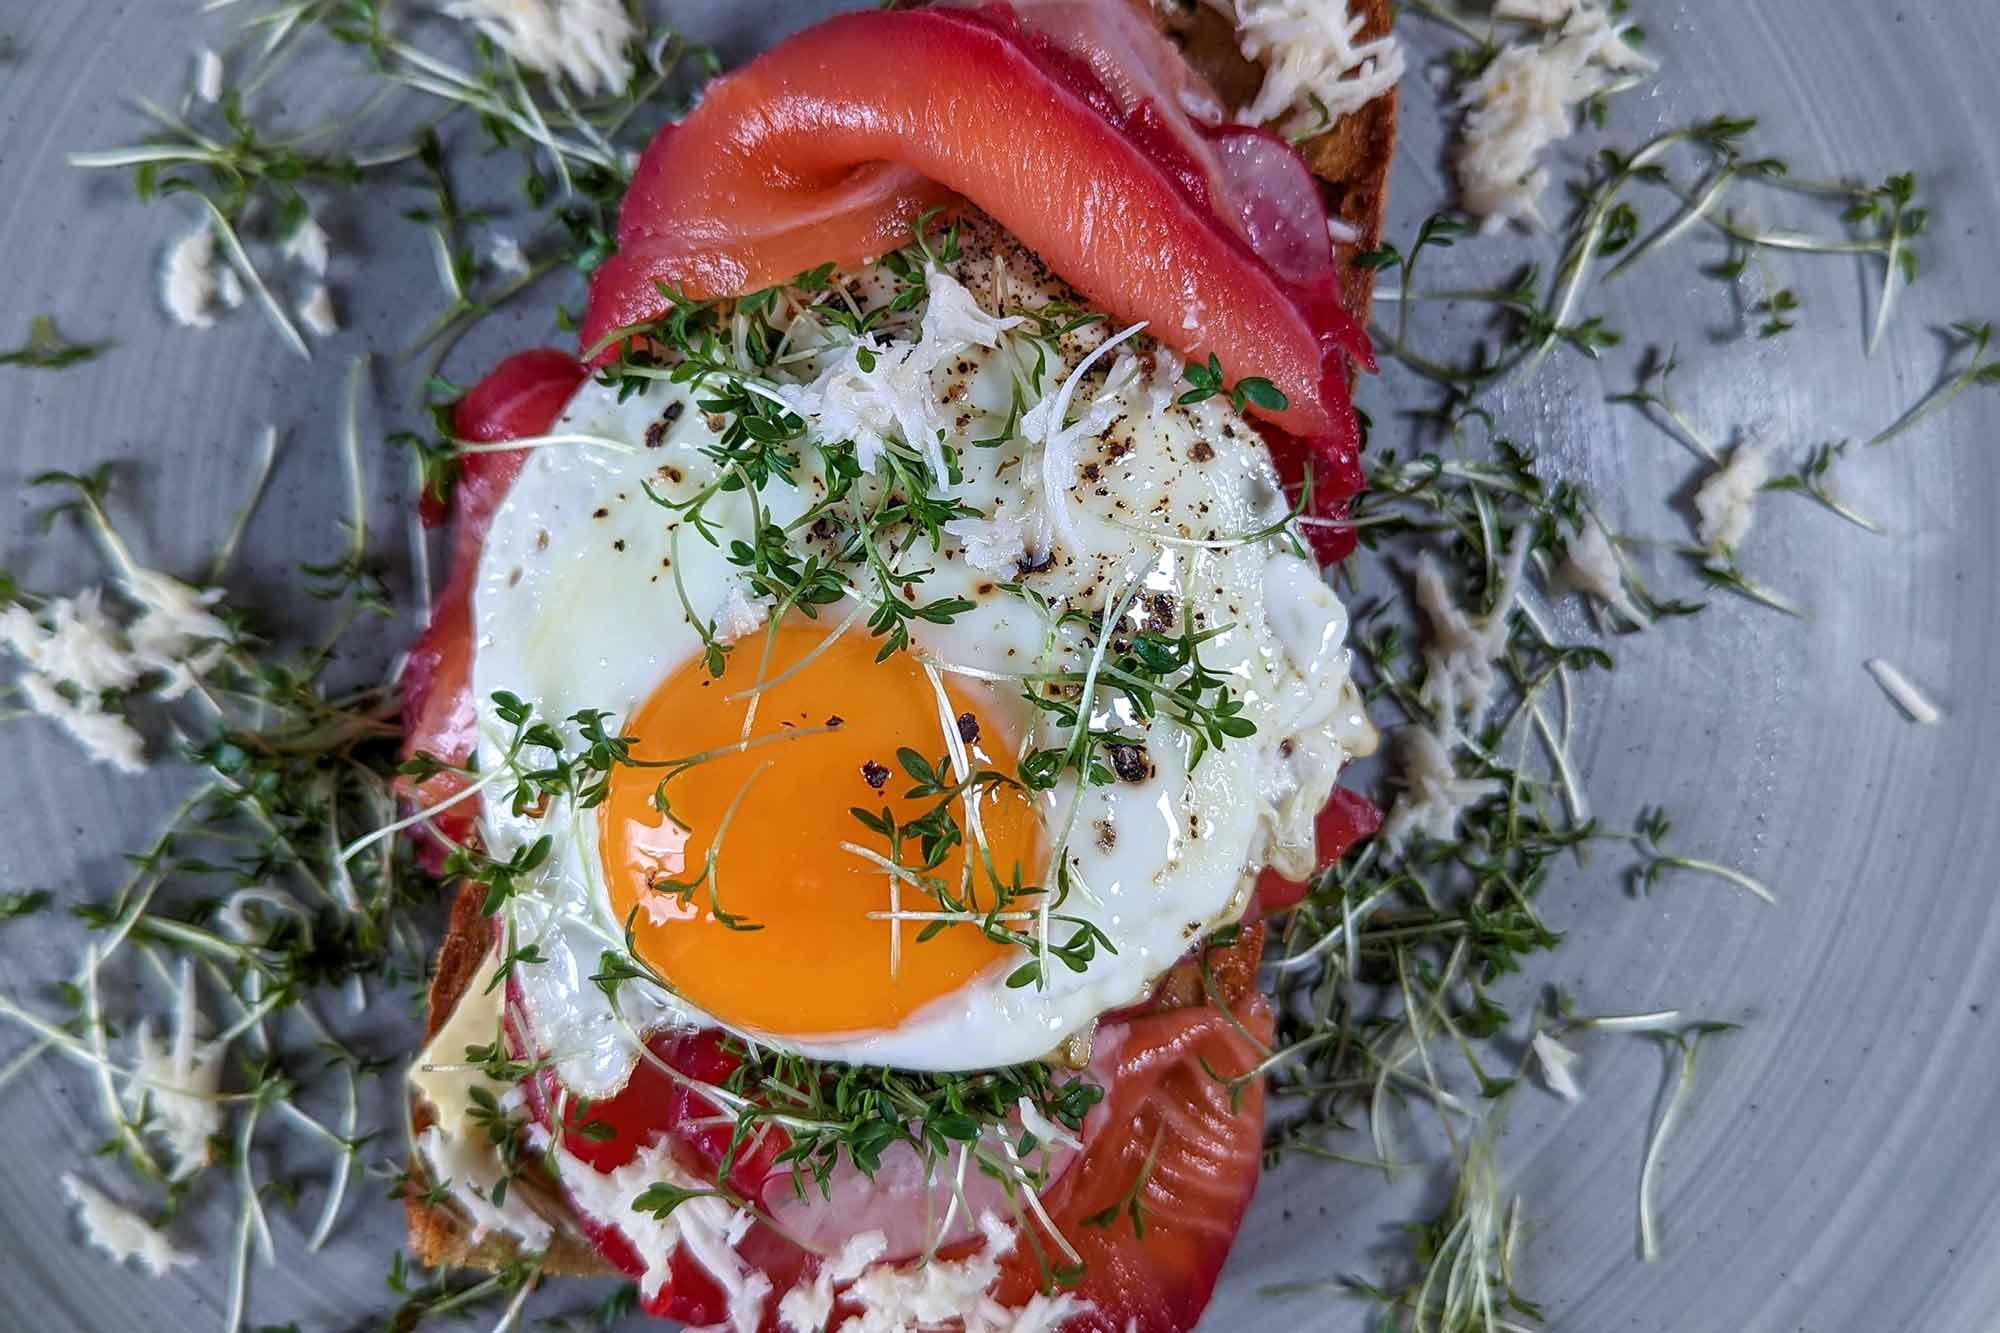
(46, 349)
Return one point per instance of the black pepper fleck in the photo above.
(1129, 762)
(875, 775)
(968, 728)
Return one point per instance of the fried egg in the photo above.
(758, 897)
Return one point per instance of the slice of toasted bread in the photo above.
(1352, 161)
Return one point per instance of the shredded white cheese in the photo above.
(954, 321)
(1459, 674)
(309, 247)
(188, 279)
(104, 736)
(1726, 501)
(1557, 1062)
(895, 1299)
(504, 253)
(1905, 694)
(1534, 11)
(1317, 66)
(120, 1232)
(740, 613)
(704, 1225)
(587, 41)
(807, 1307)
(228, 287)
(1434, 796)
(470, 1169)
(874, 393)
(1043, 1128)
(1526, 101)
(1590, 567)
(76, 652)
(208, 76)
(994, 545)
(177, 633)
(179, 1080)
(73, 640)
(316, 312)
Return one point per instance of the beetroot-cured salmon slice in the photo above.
(828, 145)
(1154, 1204)
(520, 397)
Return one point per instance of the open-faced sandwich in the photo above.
(888, 672)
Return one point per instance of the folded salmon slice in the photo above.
(520, 397)
(816, 152)
(1178, 1142)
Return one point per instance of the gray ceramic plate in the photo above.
(1837, 1169)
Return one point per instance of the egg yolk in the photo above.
(756, 836)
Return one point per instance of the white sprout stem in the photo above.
(511, 1316)
(951, 1208)
(420, 552)
(1649, 1239)
(1035, 1204)
(751, 691)
(1690, 216)
(1414, 1014)
(241, 259)
(93, 1017)
(252, 1016)
(246, 1129)
(980, 853)
(1055, 488)
(239, 1271)
(1086, 700)
(267, 455)
(80, 1051)
(351, 466)
(1890, 286)
(943, 916)
(580, 121)
(133, 157)
(367, 840)
(447, 272)
(1722, 872)
(544, 135)
(1574, 796)
(25, 1059)
(343, 880)
(1789, 240)
(895, 915)
(1576, 267)
(1654, 1022)
(1351, 916)
(971, 672)
(542, 441)
(1940, 398)
(1903, 692)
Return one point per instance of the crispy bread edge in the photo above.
(439, 1233)
(1352, 161)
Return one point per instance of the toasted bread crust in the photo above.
(1352, 160)
(439, 1233)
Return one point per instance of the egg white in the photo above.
(575, 607)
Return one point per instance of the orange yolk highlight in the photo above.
(818, 964)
